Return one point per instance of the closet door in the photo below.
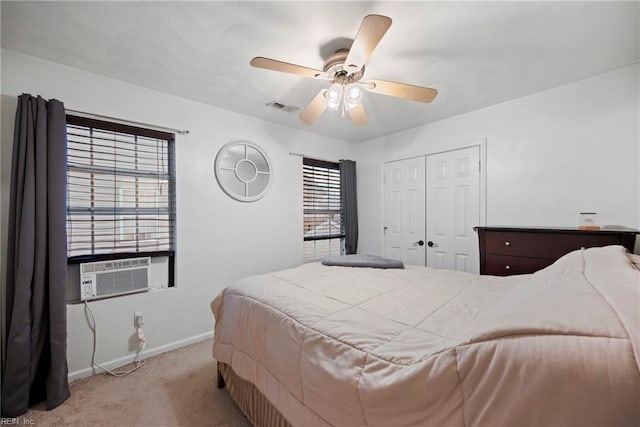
(403, 215)
(453, 209)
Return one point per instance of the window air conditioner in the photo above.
(117, 277)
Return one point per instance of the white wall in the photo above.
(218, 240)
(550, 155)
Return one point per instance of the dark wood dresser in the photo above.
(513, 250)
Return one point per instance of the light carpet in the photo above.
(177, 388)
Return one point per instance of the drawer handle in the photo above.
(507, 243)
(507, 267)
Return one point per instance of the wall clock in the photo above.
(243, 170)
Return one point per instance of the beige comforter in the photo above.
(359, 346)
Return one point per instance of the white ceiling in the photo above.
(475, 53)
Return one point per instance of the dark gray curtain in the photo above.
(36, 364)
(349, 201)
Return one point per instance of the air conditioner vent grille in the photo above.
(280, 106)
(96, 267)
(109, 278)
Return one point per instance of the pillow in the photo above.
(361, 260)
(635, 260)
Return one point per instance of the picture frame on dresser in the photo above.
(506, 251)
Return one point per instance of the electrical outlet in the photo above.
(138, 319)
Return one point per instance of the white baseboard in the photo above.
(116, 363)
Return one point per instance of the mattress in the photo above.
(419, 346)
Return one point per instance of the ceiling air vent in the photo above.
(280, 106)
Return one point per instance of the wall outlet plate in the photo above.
(138, 319)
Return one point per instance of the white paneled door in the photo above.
(404, 192)
(453, 209)
(431, 204)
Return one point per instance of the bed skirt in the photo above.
(253, 404)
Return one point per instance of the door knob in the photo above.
(419, 243)
(431, 244)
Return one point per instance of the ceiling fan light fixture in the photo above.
(343, 97)
(353, 96)
(334, 96)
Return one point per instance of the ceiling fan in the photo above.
(345, 70)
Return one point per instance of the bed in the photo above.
(319, 345)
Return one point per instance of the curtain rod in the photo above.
(314, 157)
(131, 122)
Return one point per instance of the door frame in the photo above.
(437, 148)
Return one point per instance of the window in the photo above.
(323, 228)
(120, 191)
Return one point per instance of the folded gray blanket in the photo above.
(360, 260)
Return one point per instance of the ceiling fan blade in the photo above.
(371, 31)
(358, 115)
(401, 90)
(316, 107)
(285, 67)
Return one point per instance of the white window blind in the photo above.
(323, 228)
(120, 189)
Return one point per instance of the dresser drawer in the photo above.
(505, 265)
(548, 246)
